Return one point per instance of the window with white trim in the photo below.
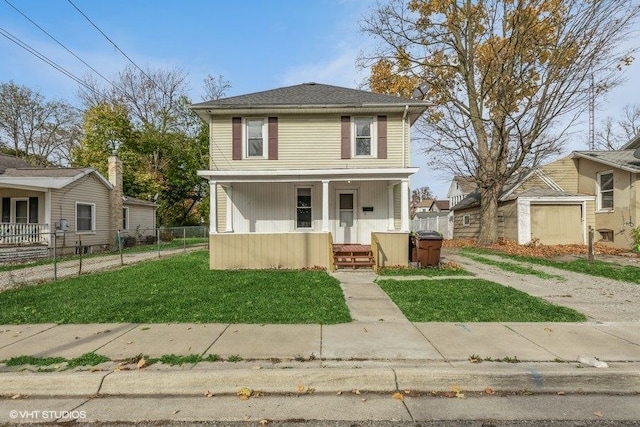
(303, 207)
(85, 217)
(364, 137)
(605, 190)
(466, 220)
(255, 137)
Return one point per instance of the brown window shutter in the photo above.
(273, 138)
(345, 135)
(382, 137)
(236, 138)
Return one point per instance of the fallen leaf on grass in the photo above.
(398, 396)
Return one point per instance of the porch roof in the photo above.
(299, 175)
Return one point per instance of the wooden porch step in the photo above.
(354, 256)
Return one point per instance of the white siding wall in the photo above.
(271, 207)
(142, 219)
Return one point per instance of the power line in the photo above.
(48, 61)
(118, 48)
(62, 45)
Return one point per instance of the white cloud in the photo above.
(339, 71)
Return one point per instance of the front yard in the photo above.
(182, 289)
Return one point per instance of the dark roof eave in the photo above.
(400, 105)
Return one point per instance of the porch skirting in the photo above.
(232, 251)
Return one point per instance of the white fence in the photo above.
(441, 222)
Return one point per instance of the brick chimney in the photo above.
(115, 178)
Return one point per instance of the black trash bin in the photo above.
(428, 244)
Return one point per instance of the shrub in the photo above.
(129, 241)
(166, 236)
(150, 240)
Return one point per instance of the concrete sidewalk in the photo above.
(327, 366)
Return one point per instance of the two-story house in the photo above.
(309, 175)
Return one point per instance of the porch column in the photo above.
(325, 205)
(229, 208)
(391, 223)
(404, 205)
(213, 209)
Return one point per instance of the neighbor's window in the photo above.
(364, 137)
(303, 207)
(125, 218)
(605, 190)
(85, 217)
(255, 132)
(466, 220)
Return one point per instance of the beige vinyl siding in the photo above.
(509, 211)
(267, 250)
(397, 207)
(391, 249)
(471, 231)
(141, 219)
(563, 172)
(305, 142)
(625, 203)
(87, 190)
(534, 181)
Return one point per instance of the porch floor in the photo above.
(352, 255)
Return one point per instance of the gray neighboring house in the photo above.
(73, 208)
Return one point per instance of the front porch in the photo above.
(24, 234)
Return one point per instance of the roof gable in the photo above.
(48, 177)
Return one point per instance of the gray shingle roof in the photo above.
(622, 159)
(44, 172)
(308, 94)
(7, 162)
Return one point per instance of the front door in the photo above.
(347, 212)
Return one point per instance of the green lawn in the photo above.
(180, 289)
(471, 300)
(609, 270)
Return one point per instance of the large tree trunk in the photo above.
(489, 215)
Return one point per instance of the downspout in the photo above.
(404, 143)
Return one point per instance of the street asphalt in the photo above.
(378, 367)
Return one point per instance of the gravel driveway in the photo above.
(599, 298)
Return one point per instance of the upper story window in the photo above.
(604, 181)
(364, 136)
(255, 137)
(85, 217)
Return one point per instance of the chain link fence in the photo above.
(41, 257)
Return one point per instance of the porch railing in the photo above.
(24, 234)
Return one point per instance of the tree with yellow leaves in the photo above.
(506, 78)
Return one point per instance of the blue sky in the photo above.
(255, 44)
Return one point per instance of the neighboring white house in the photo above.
(297, 169)
(460, 187)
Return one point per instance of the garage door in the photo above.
(556, 224)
